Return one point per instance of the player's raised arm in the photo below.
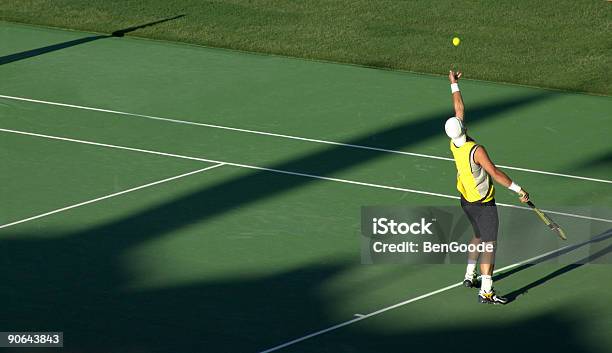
(457, 99)
(482, 158)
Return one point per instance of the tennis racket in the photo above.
(548, 221)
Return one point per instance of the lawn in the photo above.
(555, 44)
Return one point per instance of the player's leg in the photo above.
(487, 262)
(488, 223)
(472, 213)
(471, 277)
(487, 294)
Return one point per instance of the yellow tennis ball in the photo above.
(456, 41)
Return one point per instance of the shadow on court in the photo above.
(55, 47)
(73, 286)
(598, 239)
(550, 331)
(603, 160)
(122, 32)
(565, 269)
(260, 185)
(77, 282)
(77, 286)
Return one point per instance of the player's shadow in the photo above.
(596, 239)
(71, 43)
(565, 269)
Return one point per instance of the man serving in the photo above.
(474, 173)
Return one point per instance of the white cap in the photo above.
(455, 130)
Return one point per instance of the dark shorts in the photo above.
(483, 217)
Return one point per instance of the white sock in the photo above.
(469, 271)
(487, 283)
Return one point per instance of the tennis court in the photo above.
(171, 198)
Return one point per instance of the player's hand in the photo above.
(523, 196)
(454, 76)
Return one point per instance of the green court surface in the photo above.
(260, 246)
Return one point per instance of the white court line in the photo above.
(346, 181)
(394, 306)
(108, 196)
(291, 137)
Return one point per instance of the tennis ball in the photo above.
(456, 41)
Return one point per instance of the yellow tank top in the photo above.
(473, 182)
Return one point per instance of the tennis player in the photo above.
(474, 173)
